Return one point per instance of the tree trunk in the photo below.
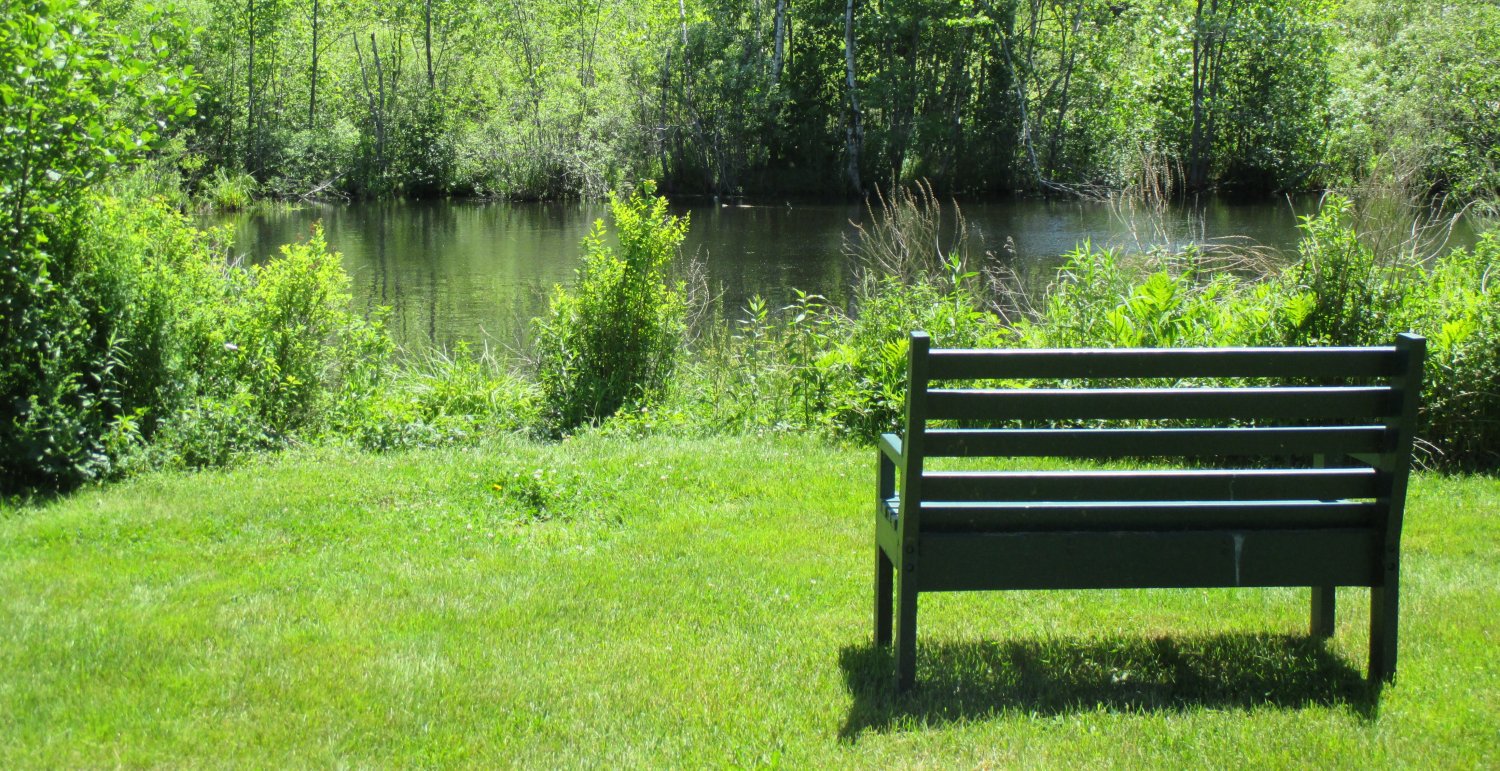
(1205, 85)
(1065, 63)
(427, 40)
(312, 79)
(532, 52)
(1018, 79)
(778, 46)
(250, 87)
(380, 114)
(854, 131)
(376, 107)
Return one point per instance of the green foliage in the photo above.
(290, 339)
(221, 359)
(862, 378)
(75, 101)
(170, 355)
(1339, 292)
(435, 398)
(225, 191)
(1102, 298)
(553, 99)
(1459, 311)
(1416, 90)
(613, 340)
(811, 366)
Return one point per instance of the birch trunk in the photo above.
(854, 132)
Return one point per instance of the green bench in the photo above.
(1295, 475)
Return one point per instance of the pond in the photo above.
(452, 271)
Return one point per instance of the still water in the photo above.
(452, 271)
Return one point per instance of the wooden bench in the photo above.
(1294, 476)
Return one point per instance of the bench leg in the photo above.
(906, 631)
(1322, 612)
(1383, 615)
(883, 588)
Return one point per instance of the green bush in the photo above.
(141, 285)
(73, 108)
(159, 341)
(291, 339)
(613, 340)
(809, 365)
(1412, 110)
(215, 359)
(1461, 319)
(1339, 291)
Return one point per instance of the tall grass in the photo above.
(811, 366)
(227, 192)
(430, 398)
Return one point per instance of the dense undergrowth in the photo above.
(810, 366)
(213, 360)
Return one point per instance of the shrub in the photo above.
(214, 359)
(614, 339)
(1103, 298)
(810, 365)
(1461, 399)
(1339, 292)
(72, 109)
(291, 339)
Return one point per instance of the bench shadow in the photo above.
(967, 680)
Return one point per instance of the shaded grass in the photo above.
(682, 603)
(1132, 674)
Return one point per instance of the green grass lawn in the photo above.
(673, 603)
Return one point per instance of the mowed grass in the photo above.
(674, 603)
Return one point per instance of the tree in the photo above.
(77, 102)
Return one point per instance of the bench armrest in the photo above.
(890, 444)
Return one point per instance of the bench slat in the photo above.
(1161, 403)
(1210, 558)
(1155, 442)
(959, 364)
(1186, 485)
(1260, 515)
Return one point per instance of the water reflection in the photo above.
(453, 271)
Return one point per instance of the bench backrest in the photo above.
(1238, 437)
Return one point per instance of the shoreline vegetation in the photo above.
(206, 362)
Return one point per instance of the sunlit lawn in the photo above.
(670, 603)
